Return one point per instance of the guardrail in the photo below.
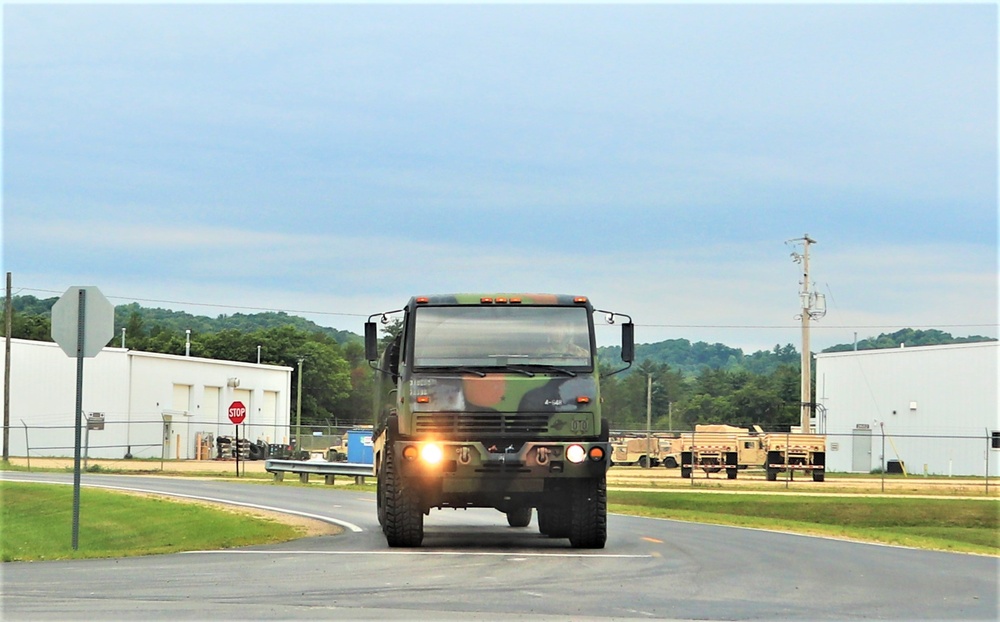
(329, 470)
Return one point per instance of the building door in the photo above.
(182, 426)
(861, 458)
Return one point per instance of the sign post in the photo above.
(237, 413)
(83, 321)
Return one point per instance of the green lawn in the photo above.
(36, 523)
(944, 524)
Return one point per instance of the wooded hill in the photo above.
(691, 382)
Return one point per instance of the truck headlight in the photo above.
(576, 454)
(431, 453)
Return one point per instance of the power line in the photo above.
(643, 324)
(203, 304)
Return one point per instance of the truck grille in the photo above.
(482, 423)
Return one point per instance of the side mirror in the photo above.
(628, 342)
(371, 341)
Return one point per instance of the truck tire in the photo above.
(686, 458)
(380, 496)
(404, 520)
(670, 462)
(818, 476)
(519, 517)
(589, 523)
(731, 472)
(772, 458)
(553, 522)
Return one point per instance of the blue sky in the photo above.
(332, 160)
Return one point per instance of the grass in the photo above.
(36, 522)
(971, 526)
(36, 519)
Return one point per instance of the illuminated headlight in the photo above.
(431, 453)
(576, 454)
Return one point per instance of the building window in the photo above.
(996, 439)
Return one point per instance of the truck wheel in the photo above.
(686, 472)
(589, 523)
(404, 520)
(553, 522)
(731, 472)
(772, 458)
(818, 476)
(643, 462)
(670, 462)
(519, 517)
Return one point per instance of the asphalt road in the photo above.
(474, 567)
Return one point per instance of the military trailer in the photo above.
(492, 401)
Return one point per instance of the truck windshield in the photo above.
(483, 337)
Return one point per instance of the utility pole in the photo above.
(813, 307)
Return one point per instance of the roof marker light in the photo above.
(580, 299)
(582, 399)
(484, 300)
(422, 300)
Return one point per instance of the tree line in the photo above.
(676, 383)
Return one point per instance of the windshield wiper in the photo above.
(451, 370)
(550, 368)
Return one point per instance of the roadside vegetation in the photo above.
(960, 525)
(36, 523)
(692, 383)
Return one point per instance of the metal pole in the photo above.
(298, 411)
(27, 444)
(80, 324)
(86, 446)
(882, 427)
(988, 447)
(649, 421)
(9, 313)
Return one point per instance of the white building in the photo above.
(933, 408)
(153, 405)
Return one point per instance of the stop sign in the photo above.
(98, 321)
(237, 412)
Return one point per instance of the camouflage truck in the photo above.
(795, 452)
(492, 401)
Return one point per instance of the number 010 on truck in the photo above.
(492, 401)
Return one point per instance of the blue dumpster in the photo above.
(359, 447)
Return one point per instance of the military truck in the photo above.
(492, 401)
(711, 448)
(642, 451)
(795, 452)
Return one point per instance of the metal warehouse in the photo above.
(924, 410)
(140, 404)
